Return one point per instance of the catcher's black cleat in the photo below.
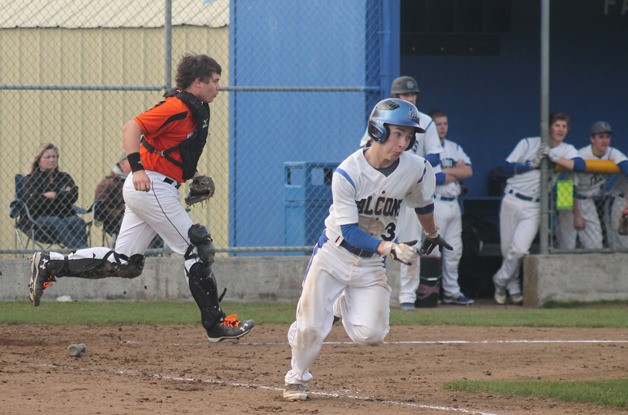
(230, 328)
(41, 277)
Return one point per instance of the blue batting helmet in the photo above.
(393, 111)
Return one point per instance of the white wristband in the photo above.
(431, 235)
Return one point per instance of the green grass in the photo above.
(603, 392)
(598, 315)
(613, 315)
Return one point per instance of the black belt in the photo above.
(582, 197)
(444, 198)
(523, 197)
(172, 182)
(356, 251)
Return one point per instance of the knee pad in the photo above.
(132, 269)
(201, 239)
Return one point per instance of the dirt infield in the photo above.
(173, 370)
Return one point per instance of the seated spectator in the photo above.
(50, 195)
(109, 191)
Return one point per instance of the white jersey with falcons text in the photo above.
(593, 184)
(426, 143)
(377, 197)
(452, 152)
(529, 183)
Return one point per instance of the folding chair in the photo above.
(108, 230)
(37, 238)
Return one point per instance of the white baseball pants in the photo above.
(518, 225)
(355, 288)
(448, 218)
(158, 211)
(409, 229)
(590, 237)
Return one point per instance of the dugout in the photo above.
(478, 60)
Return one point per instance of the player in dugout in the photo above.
(520, 210)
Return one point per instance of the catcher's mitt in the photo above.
(623, 223)
(201, 189)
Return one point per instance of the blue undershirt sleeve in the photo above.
(425, 210)
(623, 166)
(434, 159)
(353, 234)
(516, 168)
(440, 178)
(579, 165)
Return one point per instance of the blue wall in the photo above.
(493, 101)
(283, 43)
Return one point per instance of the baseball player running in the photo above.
(427, 145)
(520, 210)
(455, 166)
(163, 146)
(346, 277)
(583, 222)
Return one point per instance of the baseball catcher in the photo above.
(201, 189)
(163, 146)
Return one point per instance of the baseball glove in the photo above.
(430, 243)
(201, 189)
(623, 223)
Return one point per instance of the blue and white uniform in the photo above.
(520, 210)
(427, 145)
(588, 186)
(448, 217)
(348, 282)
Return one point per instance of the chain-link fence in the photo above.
(72, 73)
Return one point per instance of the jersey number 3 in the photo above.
(390, 229)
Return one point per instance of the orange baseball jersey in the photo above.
(165, 126)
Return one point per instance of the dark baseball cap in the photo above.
(601, 127)
(404, 85)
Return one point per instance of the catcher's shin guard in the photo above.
(205, 292)
(92, 268)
